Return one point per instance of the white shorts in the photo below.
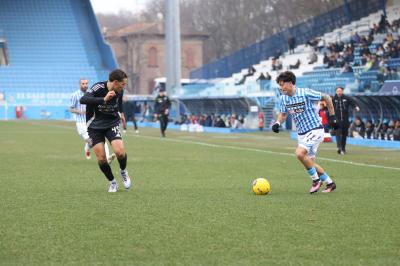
(82, 130)
(311, 140)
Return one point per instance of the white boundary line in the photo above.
(241, 148)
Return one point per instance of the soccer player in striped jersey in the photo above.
(79, 111)
(301, 105)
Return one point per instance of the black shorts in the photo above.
(99, 135)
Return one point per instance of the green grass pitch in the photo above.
(191, 202)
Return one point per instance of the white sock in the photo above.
(87, 147)
(113, 181)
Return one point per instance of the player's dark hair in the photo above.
(286, 76)
(117, 74)
(340, 88)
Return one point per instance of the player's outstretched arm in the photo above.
(91, 99)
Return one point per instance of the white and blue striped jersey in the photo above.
(76, 96)
(302, 107)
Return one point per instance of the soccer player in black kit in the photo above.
(161, 106)
(103, 114)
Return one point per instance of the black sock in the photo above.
(122, 162)
(106, 169)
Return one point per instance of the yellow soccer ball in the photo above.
(261, 186)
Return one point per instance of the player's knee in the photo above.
(120, 153)
(300, 154)
(102, 160)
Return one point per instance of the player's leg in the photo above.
(305, 153)
(339, 139)
(344, 140)
(98, 141)
(161, 119)
(323, 175)
(110, 157)
(330, 185)
(114, 136)
(82, 131)
(135, 123)
(165, 117)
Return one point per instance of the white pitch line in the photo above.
(243, 149)
(269, 152)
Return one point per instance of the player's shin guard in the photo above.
(106, 169)
(122, 162)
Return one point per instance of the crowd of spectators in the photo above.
(222, 121)
(387, 130)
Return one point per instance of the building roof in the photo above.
(154, 28)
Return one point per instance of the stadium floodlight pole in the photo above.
(173, 47)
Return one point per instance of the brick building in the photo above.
(140, 51)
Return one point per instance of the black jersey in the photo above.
(100, 115)
(161, 103)
(342, 106)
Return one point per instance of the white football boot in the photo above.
(125, 178)
(113, 187)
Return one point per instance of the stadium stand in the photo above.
(362, 75)
(51, 44)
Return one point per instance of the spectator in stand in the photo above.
(383, 130)
(374, 30)
(365, 50)
(393, 52)
(355, 38)
(325, 60)
(291, 43)
(371, 63)
(208, 121)
(295, 66)
(396, 131)
(348, 56)
(382, 24)
(235, 124)
(267, 76)
(346, 69)
(369, 129)
(312, 57)
(357, 128)
(250, 72)
(321, 45)
(377, 129)
(219, 122)
(241, 119)
(276, 64)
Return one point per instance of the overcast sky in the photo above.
(114, 6)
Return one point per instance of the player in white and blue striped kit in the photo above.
(79, 111)
(300, 104)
